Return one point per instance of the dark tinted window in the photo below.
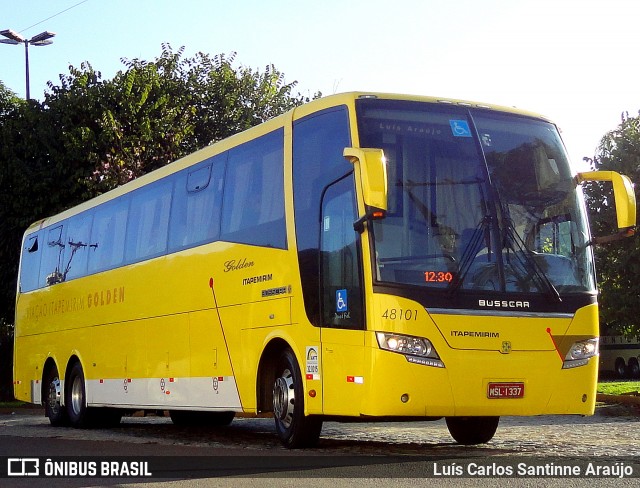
(51, 268)
(318, 143)
(107, 235)
(174, 213)
(77, 246)
(148, 226)
(30, 269)
(197, 203)
(253, 208)
(341, 290)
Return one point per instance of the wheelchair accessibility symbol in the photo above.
(460, 128)
(341, 301)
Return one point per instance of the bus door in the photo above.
(342, 332)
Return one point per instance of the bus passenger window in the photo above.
(77, 246)
(51, 268)
(196, 206)
(107, 235)
(30, 267)
(253, 208)
(148, 225)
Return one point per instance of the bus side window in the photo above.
(253, 208)
(30, 267)
(107, 235)
(51, 267)
(148, 225)
(553, 236)
(197, 204)
(77, 246)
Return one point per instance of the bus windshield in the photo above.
(477, 201)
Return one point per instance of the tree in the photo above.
(9, 104)
(152, 113)
(618, 262)
(8, 100)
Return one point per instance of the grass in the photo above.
(618, 387)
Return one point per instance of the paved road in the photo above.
(402, 453)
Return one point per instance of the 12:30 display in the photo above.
(438, 276)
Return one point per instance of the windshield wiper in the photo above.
(469, 253)
(526, 258)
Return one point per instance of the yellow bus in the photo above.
(363, 256)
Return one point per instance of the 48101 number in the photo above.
(400, 314)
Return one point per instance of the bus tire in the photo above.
(472, 430)
(294, 429)
(52, 398)
(188, 418)
(80, 416)
(633, 368)
(620, 368)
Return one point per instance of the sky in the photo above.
(574, 61)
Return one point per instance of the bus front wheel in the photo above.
(472, 430)
(292, 426)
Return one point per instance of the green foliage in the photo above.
(619, 262)
(91, 135)
(8, 101)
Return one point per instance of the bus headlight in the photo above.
(580, 352)
(415, 349)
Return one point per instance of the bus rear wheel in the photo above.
(80, 416)
(634, 368)
(620, 368)
(53, 394)
(472, 430)
(294, 429)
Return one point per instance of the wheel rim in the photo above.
(54, 396)
(284, 398)
(77, 395)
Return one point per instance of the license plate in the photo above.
(505, 390)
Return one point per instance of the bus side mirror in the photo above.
(371, 166)
(625, 202)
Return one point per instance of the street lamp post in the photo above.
(42, 39)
